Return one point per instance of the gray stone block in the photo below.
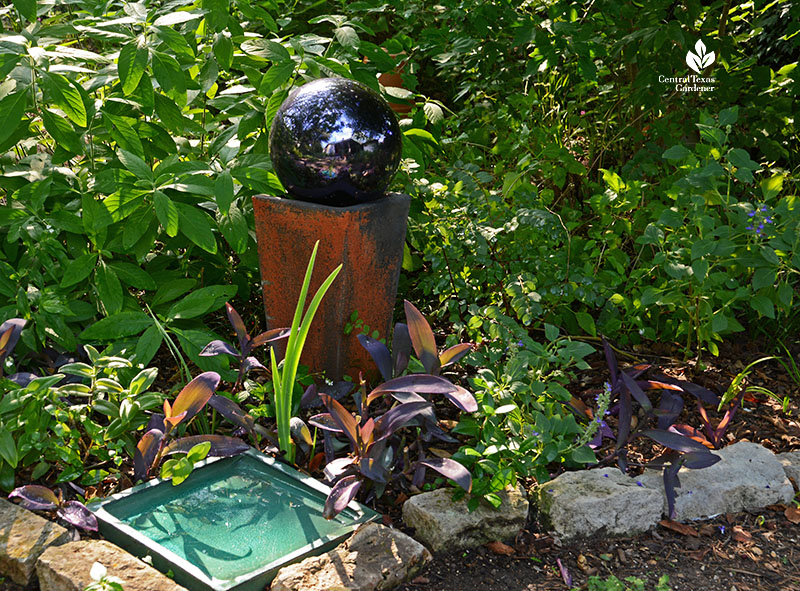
(747, 477)
(23, 537)
(443, 524)
(791, 466)
(66, 568)
(375, 558)
(600, 501)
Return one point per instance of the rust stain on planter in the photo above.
(367, 239)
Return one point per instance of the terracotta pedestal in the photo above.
(367, 239)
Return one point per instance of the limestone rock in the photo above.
(23, 537)
(444, 524)
(375, 558)
(791, 465)
(600, 501)
(748, 476)
(66, 568)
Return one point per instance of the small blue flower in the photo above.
(749, 227)
(605, 475)
(767, 486)
(752, 214)
(768, 219)
(639, 483)
(763, 208)
(722, 529)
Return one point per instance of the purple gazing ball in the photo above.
(335, 142)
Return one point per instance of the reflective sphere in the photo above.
(335, 142)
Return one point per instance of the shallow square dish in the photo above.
(231, 525)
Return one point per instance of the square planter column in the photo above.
(367, 239)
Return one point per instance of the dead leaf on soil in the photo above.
(583, 563)
(740, 535)
(699, 554)
(420, 581)
(707, 529)
(793, 514)
(681, 528)
(500, 548)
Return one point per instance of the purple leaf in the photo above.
(195, 394)
(671, 482)
(251, 363)
(611, 360)
(697, 460)
(9, 336)
(326, 422)
(374, 463)
(674, 441)
(218, 348)
(669, 407)
(77, 514)
(232, 411)
(221, 446)
(337, 467)
(343, 418)
(35, 497)
(340, 495)
(269, 336)
(625, 414)
(455, 353)
(379, 353)
(637, 392)
(401, 348)
(156, 422)
(23, 378)
(238, 326)
(309, 396)
(417, 383)
(463, 399)
(695, 390)
(422, 338)
(450, 469)
(146, 452)
(399, 416)
(564, 573)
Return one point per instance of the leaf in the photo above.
(35, 497)
(586, 322)
(674, 441)
(176, 18)
(792, 514)
(218, 348)
(8, 449)
(397, 417)
(232, 411)
(772, 186)
(233, 226)
(637, 392)
(170, 77)
(433, 112)
(278, 75)
(12, 107)
(401, 348)
(454, 354)
(340, 496)
(415, 383)
(109, 289)
(450, 469)
(10, 330)
(763, 305)
(167, 213)
(27, 8)
(61, 131)
(198, 452)
(146, 452)
(422, 338)
(201, 301)
(269, 336)
(223, 51)
(76, 513)
(66, 97)
(676, 152)
(148, 345)
(347, 423)
(136, 165)
(195, 394)
(347, 37)
(131, 64)
(197, 226)
(223, 191)
(681, 528)
(379, 353)
(266, 49)
(221, 445)
(697, 460)
(123, 324)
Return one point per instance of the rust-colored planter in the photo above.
(367, 239)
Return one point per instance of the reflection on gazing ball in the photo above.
(336, 142)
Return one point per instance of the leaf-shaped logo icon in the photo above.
(701, 60)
